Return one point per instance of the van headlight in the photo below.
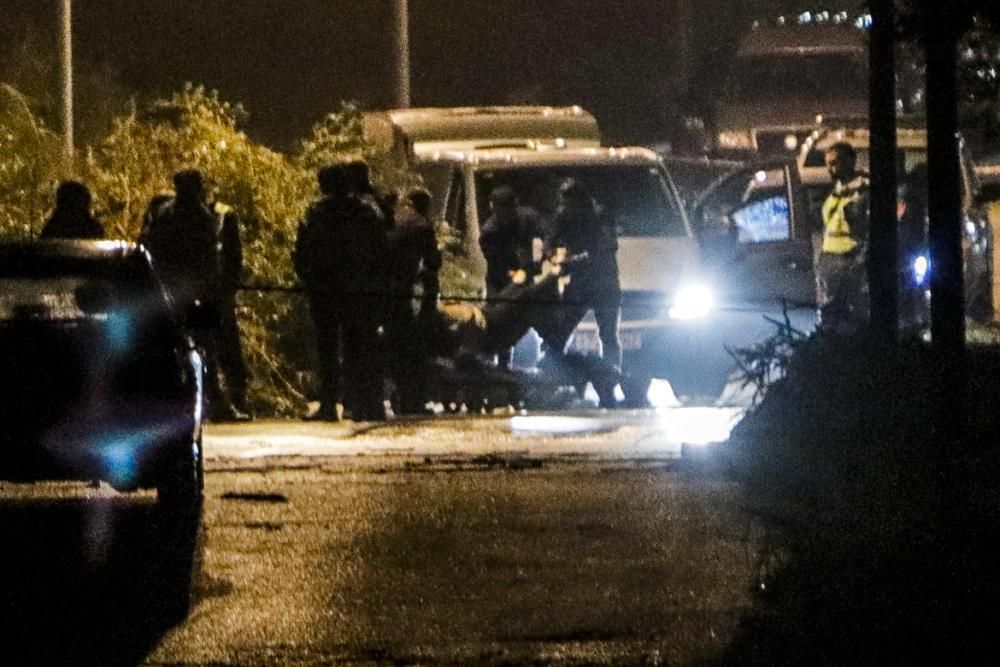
(734, 139)
(692, 302)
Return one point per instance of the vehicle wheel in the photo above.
(181, 485)
(180, 495)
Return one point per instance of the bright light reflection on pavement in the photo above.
(562, 425)
(698, 426)
(688, 426)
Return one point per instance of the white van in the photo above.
(418, 133)
(669, 329)
(788, 79)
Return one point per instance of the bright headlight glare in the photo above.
(921, 266)
(692, 302)
(735, 139)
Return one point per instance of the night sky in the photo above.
(289, 61)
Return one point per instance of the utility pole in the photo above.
(883, 256)
(66, 16)
(401, 21)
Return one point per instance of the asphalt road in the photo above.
(580, 538)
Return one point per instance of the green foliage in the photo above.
(32, 160)
(195, 128)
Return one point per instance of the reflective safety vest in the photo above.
(843, 228)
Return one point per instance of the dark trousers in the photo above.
(207, 341)
(603, 295)
(407, 356)
(500, 293)
(231, 361)
(346, 340)
(841, 284)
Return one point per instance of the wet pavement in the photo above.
(592, 537)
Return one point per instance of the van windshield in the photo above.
(636, 197)
(822, 76)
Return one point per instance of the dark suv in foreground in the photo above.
(100, 381)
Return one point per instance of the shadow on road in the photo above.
(91, 581)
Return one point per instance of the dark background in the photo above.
(640, 66)
(290, 61)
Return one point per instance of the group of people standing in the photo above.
(198, 253)
(365, 259)
(361, 258)
(369, 265)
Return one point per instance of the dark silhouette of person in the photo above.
(581, 229)
(72, 218)
(414, 260)
(181, 236)
(507, 240)
(340, 256)
(359, 175)
(231, 360)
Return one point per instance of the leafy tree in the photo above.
(32, 160)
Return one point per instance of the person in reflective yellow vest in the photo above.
(840, 272)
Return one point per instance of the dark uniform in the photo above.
(71, 218)
(581, 228)
(181, 236)
(507, 240)
(340, 255)
(231, 266)
(414, 259)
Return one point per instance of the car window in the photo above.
(437, 178)
(637, 197)
(125, 296)
(751, 206)
(56, 298)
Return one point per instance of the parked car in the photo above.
(911, 173)
(759, 228)
(100, 380)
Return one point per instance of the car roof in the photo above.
(53, 252)
(431, 123)
(795, 40)
(907, 138)
(543, 155)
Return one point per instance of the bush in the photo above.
(32, 160)
(195, 128)
(841, 463)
